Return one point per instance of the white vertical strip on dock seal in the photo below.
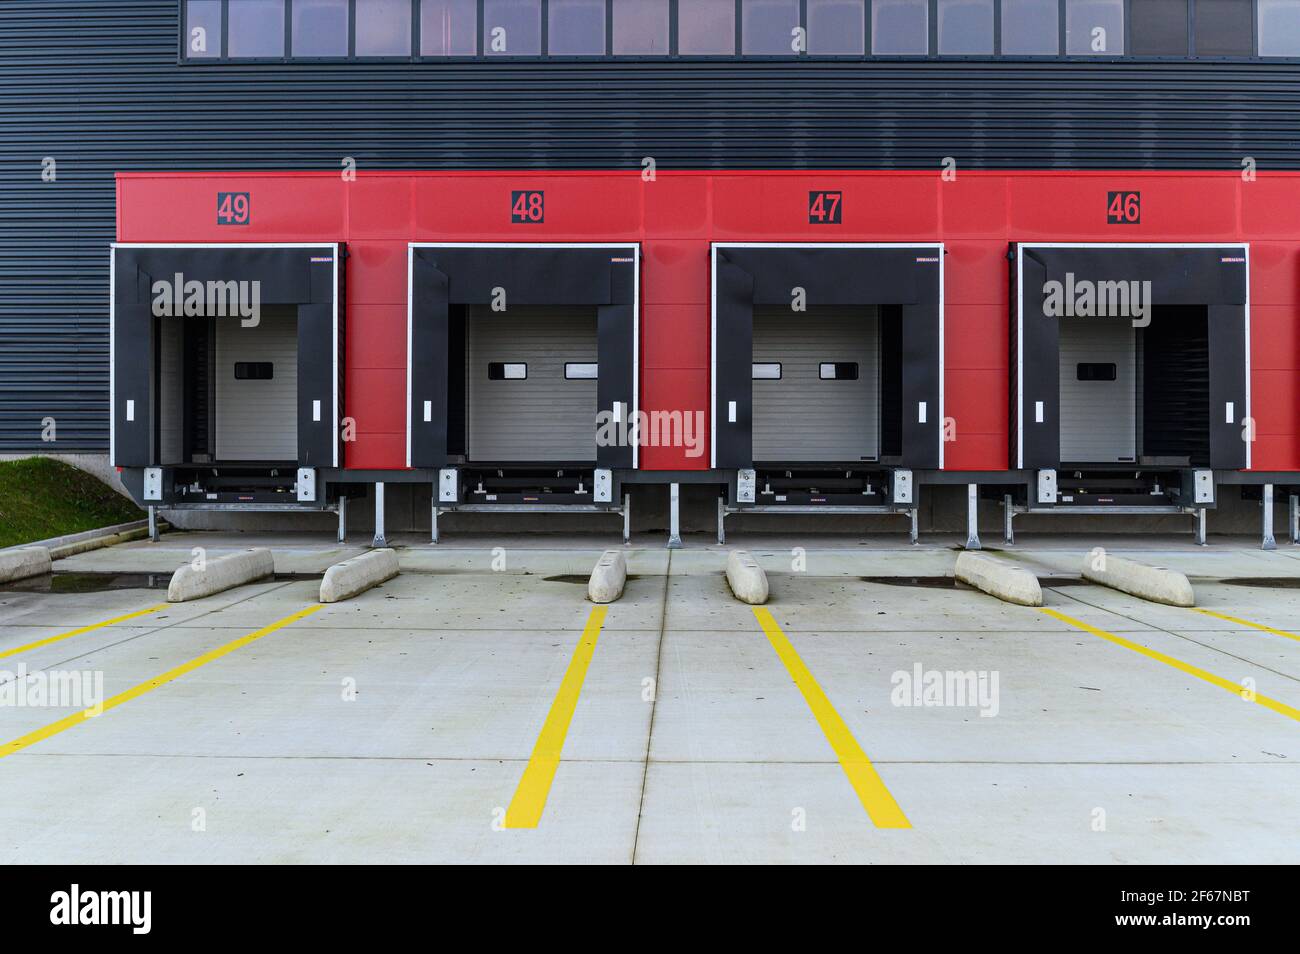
(315, 410)
(920, 412)
(130, 410)
(1038, 412)
(731, 412)
(1228, 417)
(428, 411)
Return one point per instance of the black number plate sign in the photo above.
(527, 208)
(234, 208)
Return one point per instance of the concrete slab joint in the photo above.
(608, 577)
(192, 582)
(24, 562)
(342, 581)
(746, 578)
(1006, 581)
(1158, 584)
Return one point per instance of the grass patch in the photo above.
(42, 498)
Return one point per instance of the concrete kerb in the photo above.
(746, 578)
(1155, 583)
(608, 577)
(1006, 581)
(24, 562)
(219, 574)
(342, 581)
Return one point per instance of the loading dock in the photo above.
(1131, 376)
(522, 374)
(226, 373)
(827, 375)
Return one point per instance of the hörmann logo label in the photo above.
(1083, 298)
(77, 907)
(179, 298)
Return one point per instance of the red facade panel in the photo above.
(675, 215)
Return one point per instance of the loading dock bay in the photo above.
(420, 722)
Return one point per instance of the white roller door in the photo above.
(1098, 390)
(804, 416)
(257, 419)
(525, 409)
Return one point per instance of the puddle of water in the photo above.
(952, 583)
(930, 582)
(1266, 582)
(579, 578)
(90, 582)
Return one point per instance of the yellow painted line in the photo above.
(77, 632)
(526, 807)
(1246, 622)
(873, 794)
(77, 718)
(1235, 688)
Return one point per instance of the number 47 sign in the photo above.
(825, 208)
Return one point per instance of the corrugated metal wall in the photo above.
(96, 86)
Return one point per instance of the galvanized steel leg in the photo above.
(915, 532)
(627, 519)
(343, 519)
(1008, 535)
(674, 517)
(379, 540)
(972, 517)
(1201, 521)
(433, 520)
(722, 516)
(1295, 518)
(153, 524)
(1269, 543)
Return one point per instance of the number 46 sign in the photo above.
(1123, 208)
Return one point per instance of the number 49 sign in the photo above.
(233, 208)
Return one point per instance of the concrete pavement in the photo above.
(405, 724)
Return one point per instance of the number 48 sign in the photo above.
(527, 207)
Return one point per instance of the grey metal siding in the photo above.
(802, 418)
(96, 86)
(544, 417)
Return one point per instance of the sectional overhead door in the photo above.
(531, 385)
(816, 385)
(1187, 307)
(893, 292)
(566, 303)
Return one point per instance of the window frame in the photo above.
(609, 57)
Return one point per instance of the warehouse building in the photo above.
(693, 260)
